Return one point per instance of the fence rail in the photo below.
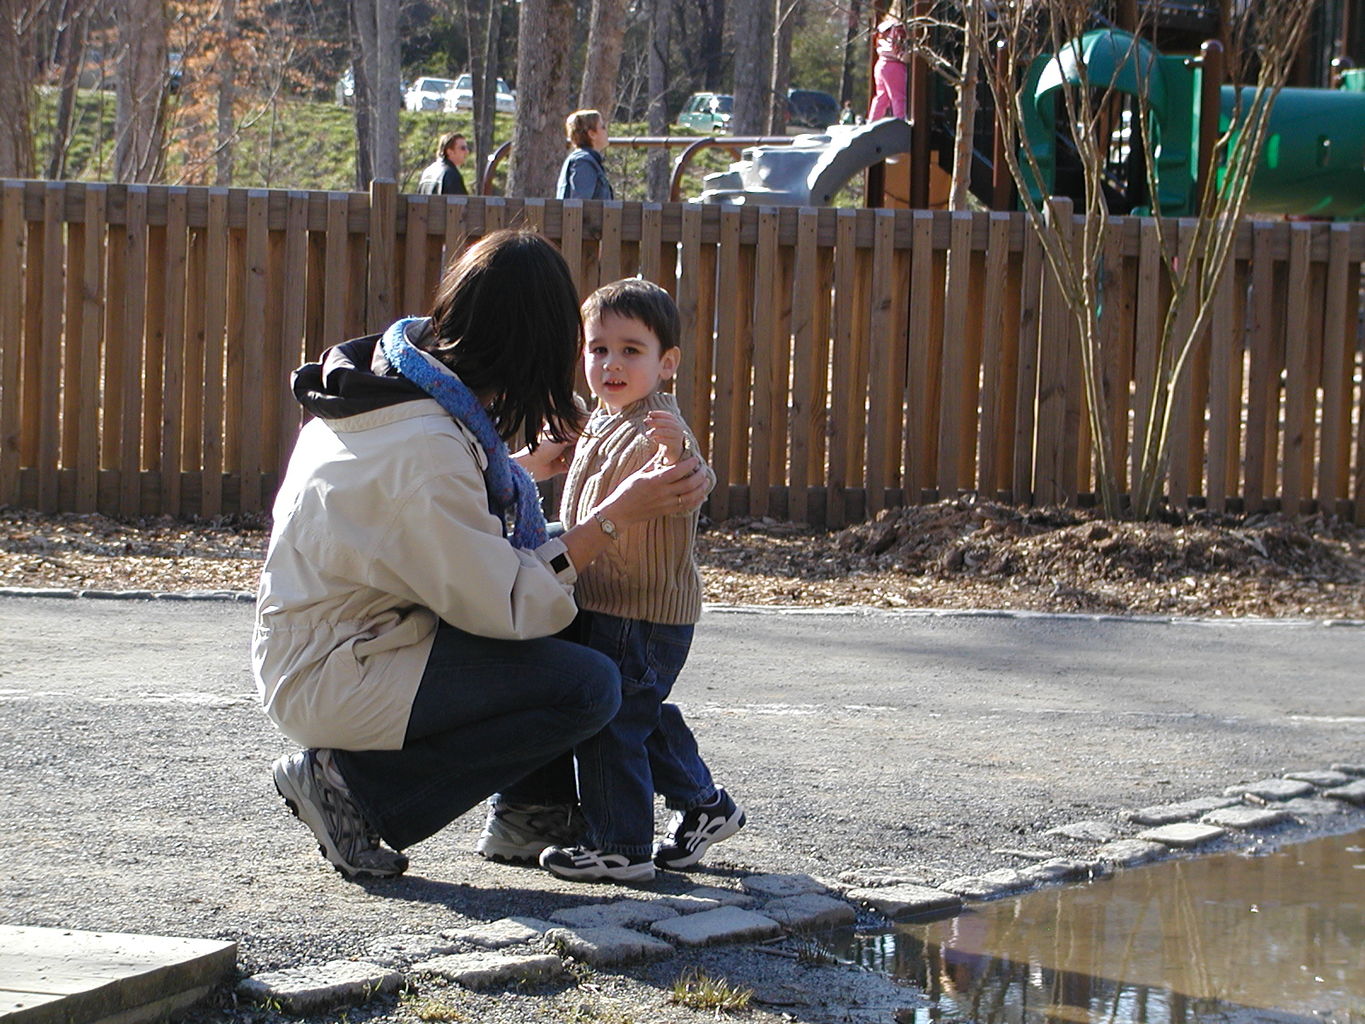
(836, 362)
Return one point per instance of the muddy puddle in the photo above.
(1232, 938)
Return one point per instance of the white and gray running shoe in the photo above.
(343, 835)
(517, 833)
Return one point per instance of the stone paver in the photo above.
(1062, 869)
(809, 911)
(1352, 793)
(609, 946)
(396, 950)
(723, 897)
(1128, 853)
(727, 924)
(1025, 853)
(1246, 817)
(506, 931)
(905, 900)
(1356, 770)
(782, 885)
(869, 878)
(491, 969)
(1312, 807)
(1186, 810)
(1088, 831)
(623, 914)
(999, 882)
(300, 990)
(1271, 789)
(1182, 834)
(1321, 779)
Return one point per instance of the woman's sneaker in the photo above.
(692, 832)
(584, 864)
(517, 833)
(343, 835)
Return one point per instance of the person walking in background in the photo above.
(640, 603)
(442, 176)
(584, 174)
(411, 594)
(891, 44)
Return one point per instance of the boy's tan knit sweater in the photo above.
(650, 572)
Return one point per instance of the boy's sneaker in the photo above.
(343, 835)
(517, 833)
(584, 864)
(692, 832)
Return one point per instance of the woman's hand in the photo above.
(657, 490)
(549, 459)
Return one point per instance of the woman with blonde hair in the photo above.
(584, 175)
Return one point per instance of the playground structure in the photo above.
(1313, 162)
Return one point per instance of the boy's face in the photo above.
(622, 360)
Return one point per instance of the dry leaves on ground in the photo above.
(951, 554)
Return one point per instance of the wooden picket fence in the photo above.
(836, 362)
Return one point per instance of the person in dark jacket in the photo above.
(442, 176)
(584, 175)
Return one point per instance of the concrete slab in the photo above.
(809, 911)
(64, 976)
(506, 931)
(769, 886)
(491, 969)
(1127, 853)
(1271, 789)
(1352, 793)
(1246, 817)
(1186, 810)
(905, 900)
(609, 946)
(312, 987)
(1182, 834)
(728, 924)
(623, 914)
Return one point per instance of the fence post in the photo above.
(383, 241)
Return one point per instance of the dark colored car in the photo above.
(810, 108)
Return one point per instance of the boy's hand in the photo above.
(666, 430)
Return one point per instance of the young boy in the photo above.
(641, 599)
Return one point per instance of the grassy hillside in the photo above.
(306, 144)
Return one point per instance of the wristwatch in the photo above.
(608, 527)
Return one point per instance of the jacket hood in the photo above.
(352, 378)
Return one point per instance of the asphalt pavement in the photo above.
(134, 761)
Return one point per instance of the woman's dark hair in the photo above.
(505, 321)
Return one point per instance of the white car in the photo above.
(427, 93)
(462, 96)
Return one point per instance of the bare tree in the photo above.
(376, 24)
(658, 167)
(18, 24)
(753, 29)
(602, 62)
(1272, 32)
(227, 90)
(71, 30)
(785, 14)
(542, 96)
(483, 27)
(139, 121)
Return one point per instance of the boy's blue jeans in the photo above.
(487, 713)
(646, 748)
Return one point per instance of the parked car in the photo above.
(706, 112)
(427, 93)
(810, 108)
(462, 96)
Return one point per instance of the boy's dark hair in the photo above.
(640, 300)
(505, 321)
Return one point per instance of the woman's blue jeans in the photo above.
(647, 748)
(488, 712)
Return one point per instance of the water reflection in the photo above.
(1231, 938)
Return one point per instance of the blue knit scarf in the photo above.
(512, 493)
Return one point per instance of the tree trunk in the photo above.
(543, 96)
(753, 29)
(16, 93)
(386, 91)
(227, 91)
(606, 34)
(71, 51)
(851, 52)
(139, 119)
(784, 15)
(364, 163)
(657, 173)
(970, 73)
(486, 86)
